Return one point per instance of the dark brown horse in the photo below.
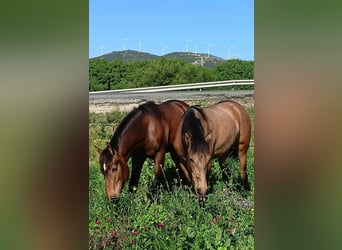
(219, 131)
(147, 131)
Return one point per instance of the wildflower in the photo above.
(160, 224)
(230, 221)
(217, 217)
(136, 232)
(112, 234)
(229, 230)
(132, 241)
(110, 219)
(212, 222)
(98, 222)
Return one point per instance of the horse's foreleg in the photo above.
(183, 174)
(159, 159)
(137, 162)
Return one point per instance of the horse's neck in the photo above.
(177, 143)
(205, 122)
(128, 142)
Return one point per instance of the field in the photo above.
(172, 217)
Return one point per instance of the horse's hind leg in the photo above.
(226, 173)
(137, 162)
(225, 168)
(243, 166)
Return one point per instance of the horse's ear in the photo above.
(110, 149)
(187, 139)
(98, 150)
(209, 136)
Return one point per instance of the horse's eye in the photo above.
(191, 160)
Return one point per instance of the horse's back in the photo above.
(243, 117)
(230, 125)
(232, 110)
(162, 121)
(173, 105)
(173, 111)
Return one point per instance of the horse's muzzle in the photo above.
(114, 199)
(202, 198)
(201, 192)
(202, 201)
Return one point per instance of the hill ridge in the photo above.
(200, 59)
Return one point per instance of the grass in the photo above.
(173, 218)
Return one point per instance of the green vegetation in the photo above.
(173, 218)
(117, 74)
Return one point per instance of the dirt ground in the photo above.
(128, 105)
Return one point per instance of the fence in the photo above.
(202, 85)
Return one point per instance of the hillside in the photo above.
(196, 59)
(132, 55)
(126, 56)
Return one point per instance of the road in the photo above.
(106, 102)
(97, 98)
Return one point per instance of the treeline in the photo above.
(117, 74)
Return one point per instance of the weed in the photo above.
(173, 218)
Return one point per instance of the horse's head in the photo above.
(198, 162)
(115, 171)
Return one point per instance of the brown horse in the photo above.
(147, 131)
(218, 131)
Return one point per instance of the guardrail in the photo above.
(200, 85)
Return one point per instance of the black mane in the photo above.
(192, 125)
(145, 108)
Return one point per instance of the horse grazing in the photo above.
(147, 131)
(218, 131)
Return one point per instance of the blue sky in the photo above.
(225, 27)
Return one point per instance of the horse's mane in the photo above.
(145, 108)
(193, 126)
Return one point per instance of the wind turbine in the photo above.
(196, 47)
(163, 49)
(124, 43)
(140, 44)
(208, 47)
(229, 48)
(102, 49)
(187, 45)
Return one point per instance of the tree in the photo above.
(117, 74)
(234, 69)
